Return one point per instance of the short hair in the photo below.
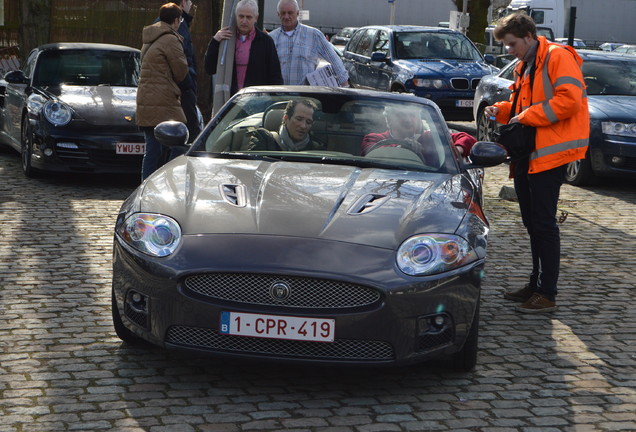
(294, 2)
(248, 4)
(518, 24)
(169, 12)
(292, 104)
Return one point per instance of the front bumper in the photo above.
(392, 325)
(612, 156)
(90, 151)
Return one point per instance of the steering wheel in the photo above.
(397, 143)
(392, 142)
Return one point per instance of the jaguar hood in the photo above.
(368, 206)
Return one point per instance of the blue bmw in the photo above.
(436, 63)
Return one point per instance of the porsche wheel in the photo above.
(579, 173)
(27, 150)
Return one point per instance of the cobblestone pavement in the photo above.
(63, 368)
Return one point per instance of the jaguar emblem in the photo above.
(279, 291)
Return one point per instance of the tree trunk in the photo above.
(35, 25)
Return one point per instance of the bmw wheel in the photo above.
(579, 173)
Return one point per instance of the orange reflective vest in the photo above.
(556, 106)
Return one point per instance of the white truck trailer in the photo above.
(596, 21)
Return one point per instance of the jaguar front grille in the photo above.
(294, 292)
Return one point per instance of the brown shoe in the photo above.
(537, 304)
(521, 295)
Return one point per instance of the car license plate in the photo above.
(130, 148)
(464, 103)
(278, 327)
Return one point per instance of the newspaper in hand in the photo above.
(323, 76)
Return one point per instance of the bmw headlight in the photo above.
(618, 128)
(433, 253)
(58, 113)
(150, 233)
(428, 83)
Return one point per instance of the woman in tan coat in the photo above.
(164, 69)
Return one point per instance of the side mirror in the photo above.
(490, 59)
(487, 154)
(172, 133)
(16, 77)
(378, 57)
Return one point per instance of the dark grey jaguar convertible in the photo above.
(302, 225)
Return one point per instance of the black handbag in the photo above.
(517, 138)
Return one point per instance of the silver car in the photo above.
(331, 253)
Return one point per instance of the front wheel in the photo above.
(120, 329)
(485, 127)
(27, 150)
(579, 173)
(466, 359)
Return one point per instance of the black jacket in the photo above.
(263, 67)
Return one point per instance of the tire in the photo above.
(26, 151)
(579, 173)
(120, 329)
(485, 128)
(466, 359)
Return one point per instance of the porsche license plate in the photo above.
(130, 148)
(464, 103)
(278, 327)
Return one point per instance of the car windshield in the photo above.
(616, 76)
(87, 67)
(344, 129)
(435, 45)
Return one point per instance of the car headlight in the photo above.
(618, 128)
(433, 253)
(428, 83)
(153, 234)
(35, 102)
(57, 113)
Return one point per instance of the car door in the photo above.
(358, 55)
(381, 72)
(15, 103)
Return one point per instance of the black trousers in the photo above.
(189, 106)
(538, 196)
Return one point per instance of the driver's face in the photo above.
(300, 123)
(404, 123)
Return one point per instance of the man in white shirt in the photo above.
(300, 47)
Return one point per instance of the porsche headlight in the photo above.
(153, 234)
(35, 102)
(57, 113)
(434, 253)
(618, 128)
(429, 83)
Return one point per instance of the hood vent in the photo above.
(367, 204)
(234, 194)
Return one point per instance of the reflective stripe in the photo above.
(568, 80)
(549, 113)
(548, 90)
(557, 148)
